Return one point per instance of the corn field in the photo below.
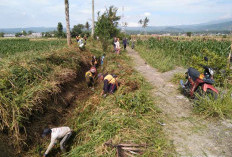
(186, 49)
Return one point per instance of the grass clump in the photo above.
(127, 116)
(177, 77)
(220, 107)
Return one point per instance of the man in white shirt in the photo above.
(63, 133)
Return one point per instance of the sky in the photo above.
(47, 13)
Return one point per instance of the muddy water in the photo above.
(5, 149)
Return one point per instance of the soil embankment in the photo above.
(192, 135)
(53, 110)
(5, 150)
(59, 110)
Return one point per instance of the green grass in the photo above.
(13, 46)
(177, 77)
(26, 79)
(128, 116)
(157, 58)
(209, 107)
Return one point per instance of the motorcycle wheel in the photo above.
(186, 90)
(211, 94)
(198, 93)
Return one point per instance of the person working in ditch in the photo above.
(94, 61)
(110, 83)
(63, 133)
(90, 76)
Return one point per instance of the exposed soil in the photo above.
(59, 110)
(5, 149)
(56, 111)
(191, 134)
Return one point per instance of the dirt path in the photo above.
(192, 135)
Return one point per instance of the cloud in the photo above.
(147, 14)
(226, 16)
(133, 24)
(160, 12)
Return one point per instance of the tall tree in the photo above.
(87, 26)
(140, 22)
(1, 34)
(59, 30)
(93, 24)
(77, 30)
(145, 22)
(67, 22)
(106, 26)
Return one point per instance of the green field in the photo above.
(12, 46)
(178, 52)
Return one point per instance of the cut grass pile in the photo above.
(128, 116)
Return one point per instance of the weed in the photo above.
(220, 107)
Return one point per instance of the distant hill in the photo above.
(33, 29)
(219, 25)
(211, 26)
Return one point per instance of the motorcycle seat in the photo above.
(209, 81)
(193, 73)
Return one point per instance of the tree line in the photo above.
(79, 29)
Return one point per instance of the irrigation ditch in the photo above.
(53, 111)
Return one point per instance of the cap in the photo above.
(46, 132)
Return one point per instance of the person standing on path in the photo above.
(132, 44)
(124, 43)
(63, 133)
(117, 46)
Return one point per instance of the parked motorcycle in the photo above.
(199, 84)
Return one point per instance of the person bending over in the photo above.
(61, 133)
(110, 83)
